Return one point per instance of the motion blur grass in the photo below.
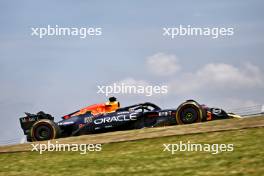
(146, 157)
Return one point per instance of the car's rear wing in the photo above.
(28, 121)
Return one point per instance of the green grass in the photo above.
(146, 157)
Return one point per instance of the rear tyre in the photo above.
(189, 112)
(44, 129)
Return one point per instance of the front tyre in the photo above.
(189, 112)
(44, 129)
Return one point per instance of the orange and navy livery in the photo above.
(111, 106)
(106, 117)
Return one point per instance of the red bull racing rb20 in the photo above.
(109, 116)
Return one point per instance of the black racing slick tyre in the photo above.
(189, 112)
(44, 129)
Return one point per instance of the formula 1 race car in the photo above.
(109, 116)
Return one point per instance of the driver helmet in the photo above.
(112, 104)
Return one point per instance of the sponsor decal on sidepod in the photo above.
(119, 118)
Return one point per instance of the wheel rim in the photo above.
(189, 115)
(43, 132)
